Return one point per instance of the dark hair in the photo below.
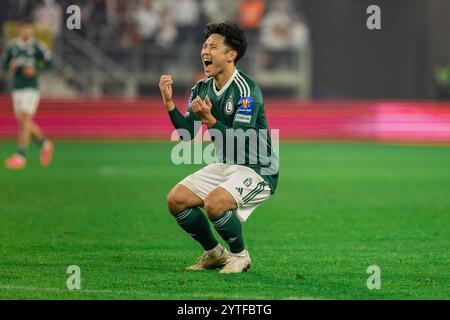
(234, 36)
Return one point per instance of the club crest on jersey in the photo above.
(229, 108)
(248, 182)
(245, 105)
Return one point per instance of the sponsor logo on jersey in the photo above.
(229, 108)
(245, 105)
(243, 118)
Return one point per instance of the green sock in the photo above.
(230, 229)
(22, 151)
(195, 223)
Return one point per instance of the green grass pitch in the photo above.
(339, 208)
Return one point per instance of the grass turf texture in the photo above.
(337, 210)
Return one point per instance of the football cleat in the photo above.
(237, 263)
(47, 153)
(16, 162)
(210, 260)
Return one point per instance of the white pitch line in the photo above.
(131, 292)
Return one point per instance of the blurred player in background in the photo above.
(23, 60)
(228, 191)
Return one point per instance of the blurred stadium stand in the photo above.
(324, 75)
(298, 49)
(124, 46)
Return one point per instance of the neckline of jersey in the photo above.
(22, 43)
(225, 87)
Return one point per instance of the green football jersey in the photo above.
(26, 53)
(239, 110)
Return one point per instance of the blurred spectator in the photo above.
(129, 36)
(126, 12)
(98, 20)
(126, 26)
(147, 20)
(165, 40)
(160, 5)
(442, 79)
(218, 10)
(48, 15)
(167, 33)
(282, 34)
(275, 35)
(19, 9)
(186, 15)
(299, 34)
(116, 18)
(112, 13)
(250, 14)
(275, 28)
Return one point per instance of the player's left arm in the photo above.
(44, 57)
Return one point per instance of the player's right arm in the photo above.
(8, 62)
(178, 120)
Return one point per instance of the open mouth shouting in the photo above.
(207, 64)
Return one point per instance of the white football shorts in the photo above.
(247, 187)
(25, 101)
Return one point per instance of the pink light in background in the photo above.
(146, 119)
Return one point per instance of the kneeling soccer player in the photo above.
(226, 100)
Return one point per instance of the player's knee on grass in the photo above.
(181, 198)
(218, 201)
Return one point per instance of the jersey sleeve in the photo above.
(186, 121)
(6, 59)
(44, 56)
(248, 110)
(189, 114)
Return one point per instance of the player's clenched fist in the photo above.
(201, 107)
(165, 86)
(203, 110)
